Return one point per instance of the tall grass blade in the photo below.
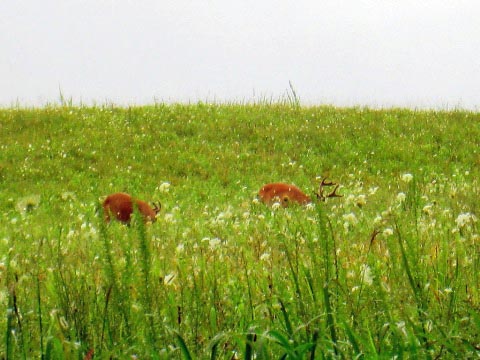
(286, 318)
(54, 349)
(145, 254)
(249, 345)
(183, 346)
(281, 340)
(417, 291)
(352, 339)
(316, 334)
(39, 311)
(247, 277)
(113, 284)
(294, 273)
(327, 238)
(293, 98)
(214, 350)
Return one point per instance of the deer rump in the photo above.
(120, 207)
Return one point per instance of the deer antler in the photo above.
(321, 196)
(157, 207)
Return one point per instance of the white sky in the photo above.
(344, 52)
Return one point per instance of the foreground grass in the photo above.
(389, 270)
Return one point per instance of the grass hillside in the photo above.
(389, 270)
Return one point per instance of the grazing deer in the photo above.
(286, 194)
(120, 205)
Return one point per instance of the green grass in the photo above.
(390, 270)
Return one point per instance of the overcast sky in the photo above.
(343, 52)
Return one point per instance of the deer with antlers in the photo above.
(120, 207)
(286, 194)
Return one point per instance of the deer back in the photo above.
(120, 206)
(282, 193)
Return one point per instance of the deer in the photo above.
(286, 194)
(120, 207)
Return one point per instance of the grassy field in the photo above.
(390, 270)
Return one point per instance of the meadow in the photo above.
(388, 271)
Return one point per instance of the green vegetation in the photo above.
(390, 270)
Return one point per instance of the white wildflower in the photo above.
(180, 248)
(213, 243)
(428, 209)
(401, 327)
(378, 219)
(350, 218)
(388, 232)
(407, 177)
(361, 200)
(265, 256)
(350, 199)
(350, 274)
(68, 195)
(227, 214)
(164, 187)
(310, 206)
(255, 201)
(276, 206)
(366, 274)
(464, 219)
(349, 221)
(401, 197)
(169, 218)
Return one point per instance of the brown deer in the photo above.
(120, 206)
(286, 194)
